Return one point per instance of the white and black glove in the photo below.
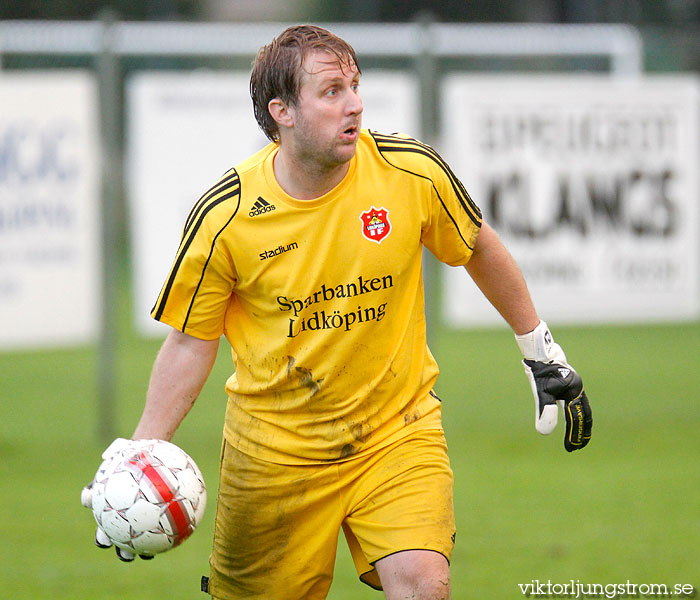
(115, 451)
(554, 381)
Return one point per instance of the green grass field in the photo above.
(624, 509)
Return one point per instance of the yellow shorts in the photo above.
(277, 526)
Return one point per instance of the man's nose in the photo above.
(355, 104)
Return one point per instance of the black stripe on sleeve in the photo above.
(226, 180)
(400, 144)
(447, 211)
(204, 269)
(226, 193)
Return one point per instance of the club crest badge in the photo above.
(375, 224)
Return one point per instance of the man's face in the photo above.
(327, 114)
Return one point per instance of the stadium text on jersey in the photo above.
(277, 251)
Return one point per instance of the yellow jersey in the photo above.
(322, 300)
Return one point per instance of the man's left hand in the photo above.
(555, 382)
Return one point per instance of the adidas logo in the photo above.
(260, 207)
(564, 372)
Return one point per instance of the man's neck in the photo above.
(304, 181)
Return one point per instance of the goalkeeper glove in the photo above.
(115, 451)
(554, 381)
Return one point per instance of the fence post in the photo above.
(107, 67)
(426, 66)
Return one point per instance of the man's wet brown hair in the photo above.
(277, 68)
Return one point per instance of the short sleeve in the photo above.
(199, 287)
(454, 220)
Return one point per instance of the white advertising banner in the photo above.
(591, 182)
(49, 209)
(184, 131)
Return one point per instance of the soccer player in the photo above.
(307, 258)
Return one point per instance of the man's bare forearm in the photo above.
(179, 373)
(499, 278)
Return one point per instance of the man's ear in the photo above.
(281, 112)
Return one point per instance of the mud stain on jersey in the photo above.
(356, 431)
(347, 450)
(409, 418)
(305, 376)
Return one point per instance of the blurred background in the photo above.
(669, 27)
(574, 124)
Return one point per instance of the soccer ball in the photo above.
(149, 497)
